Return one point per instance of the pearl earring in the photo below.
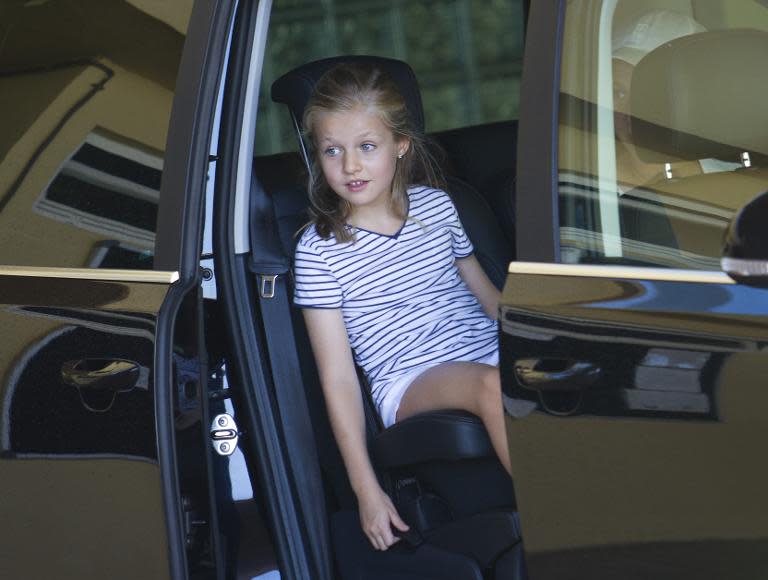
(400, 156)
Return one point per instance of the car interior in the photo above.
(670, 98)
(438, 467)
(677, 220)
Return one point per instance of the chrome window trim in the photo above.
(610, 221)
(105, 275)
(248, 133)
(621, 272)
(744, 267)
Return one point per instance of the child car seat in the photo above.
(428, 461)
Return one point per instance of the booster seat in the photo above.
(428, 462)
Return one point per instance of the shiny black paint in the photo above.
(653, 470)
(48, 417)
(97, 461)
(658, 346)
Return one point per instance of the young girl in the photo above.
(386, 269)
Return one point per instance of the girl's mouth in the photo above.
(356, 185)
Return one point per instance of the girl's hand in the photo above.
(338, 377)
(377, 516)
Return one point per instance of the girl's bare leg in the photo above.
(469, 386)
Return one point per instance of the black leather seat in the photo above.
(485, 156)
(486, 208)
(427, 461)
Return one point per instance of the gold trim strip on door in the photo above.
(620, 272)
(106, 275)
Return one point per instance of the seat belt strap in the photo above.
(271, 266)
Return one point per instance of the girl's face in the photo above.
(358, 155)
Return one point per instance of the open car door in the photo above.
(647, 363)
(107, 110)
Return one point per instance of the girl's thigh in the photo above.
(468, 386)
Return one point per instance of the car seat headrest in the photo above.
(701, 96)
(295, 87)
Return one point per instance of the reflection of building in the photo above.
(112, 189)
(84, 129)
(86, 89)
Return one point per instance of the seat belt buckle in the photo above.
(267, 286)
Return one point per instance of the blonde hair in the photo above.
(344, 88)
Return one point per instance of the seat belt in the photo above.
(271, 267)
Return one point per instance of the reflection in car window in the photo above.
(466, 55)
(662, 135)
(85, 109)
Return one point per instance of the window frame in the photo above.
(536, 205)
(179, 234)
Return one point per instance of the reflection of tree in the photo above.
(467, 55)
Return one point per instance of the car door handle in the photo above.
(556, 374)
(99, 374)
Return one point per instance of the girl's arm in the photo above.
(343, 400)
(474, 276)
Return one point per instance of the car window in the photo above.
(85, 95)
(662, 131)
(466, 55)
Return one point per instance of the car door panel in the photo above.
(79, 464)
(654, 461)
(641, 459)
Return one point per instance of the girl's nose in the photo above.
(351, 162)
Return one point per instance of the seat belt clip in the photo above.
(267, 287)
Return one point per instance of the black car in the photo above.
(161, 414)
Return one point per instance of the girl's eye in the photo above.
(368, 147)
(332, 151)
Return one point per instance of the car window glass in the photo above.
(662, 130)
(85, 94)
(466, 55)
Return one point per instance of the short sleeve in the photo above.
(315, 285)
(462, 246)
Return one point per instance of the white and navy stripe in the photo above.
(404, 303)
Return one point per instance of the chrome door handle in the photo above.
(99, 374)
(560, 375)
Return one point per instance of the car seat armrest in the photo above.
(432, 436)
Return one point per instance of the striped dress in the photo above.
(404, 304)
